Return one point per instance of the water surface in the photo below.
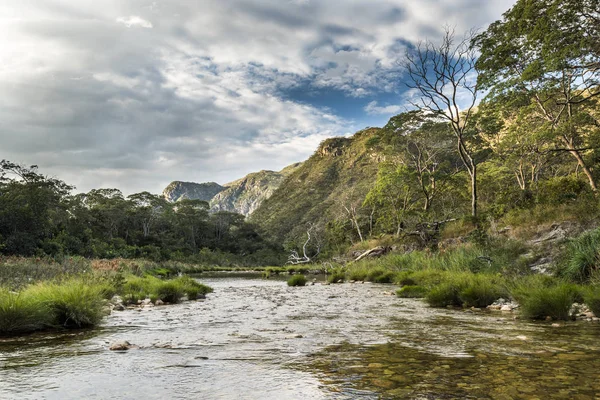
(259, 339)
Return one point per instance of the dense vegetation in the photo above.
(530, 146)
(40, 216)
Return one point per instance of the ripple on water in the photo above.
(257, 338)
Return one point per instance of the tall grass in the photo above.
(297, 280)
(542, 297)
(581, 260)
(21, 314)
(72, 304)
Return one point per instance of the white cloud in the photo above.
(373, 109)
(200, 95)
(134, 20)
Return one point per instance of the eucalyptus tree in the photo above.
(444, 77)
(547, 53)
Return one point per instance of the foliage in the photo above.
(591, 297)
(297, 280)
(542, 302)
(336, 276)
(39, 216)
(581, 260)
(411, 292)
(20, 313)
(71, 304)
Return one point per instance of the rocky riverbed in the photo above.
(257, 338)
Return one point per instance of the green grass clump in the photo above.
(71, 304)
(380, 275)
(297, 280)
(411, 292)
(192, 288)
(168, 291)
(21, 314)
(581, 260)
(445, 294)
(541, 301)
(358, 274)
(336, 276)
(482, 290)
(591, 297)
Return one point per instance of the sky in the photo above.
(135, 94)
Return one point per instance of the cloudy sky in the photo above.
(134, 94)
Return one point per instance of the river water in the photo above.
(259, 339)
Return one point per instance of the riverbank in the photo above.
(82, 302)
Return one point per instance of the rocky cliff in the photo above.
(242, 196)
(178, 190)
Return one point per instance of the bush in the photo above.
(411, 292)
(297, 280)
(543, 302)
(21, 314)
(72, 304)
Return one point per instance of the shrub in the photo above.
(411, 292)
(21, 314)
(72, 304)
(542, 302)
(297, 280)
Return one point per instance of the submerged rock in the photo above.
(122, 346)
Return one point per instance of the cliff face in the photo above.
(245, 195)
(242, 196)
(178, 190)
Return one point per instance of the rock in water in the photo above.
(121, 346)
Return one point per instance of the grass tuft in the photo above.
(297, 280)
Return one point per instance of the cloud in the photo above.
(134, 20)
(373, 109)
(211, 91)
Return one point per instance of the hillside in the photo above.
(245, 195)
(339, 173)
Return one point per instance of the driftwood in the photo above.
(374, 252)
(295, 259)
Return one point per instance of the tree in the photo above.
(444, 76)
(548, 52)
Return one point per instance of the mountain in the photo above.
(178, 190)
(242, 196)
(245, 195)
(339, 173)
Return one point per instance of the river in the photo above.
(259, 339)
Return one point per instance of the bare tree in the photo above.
(294, 258)
(446, 78)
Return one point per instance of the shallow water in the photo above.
(259, 339)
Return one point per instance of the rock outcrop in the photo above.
(178, 190)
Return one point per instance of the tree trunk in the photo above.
(473, 190)
(584, 167)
